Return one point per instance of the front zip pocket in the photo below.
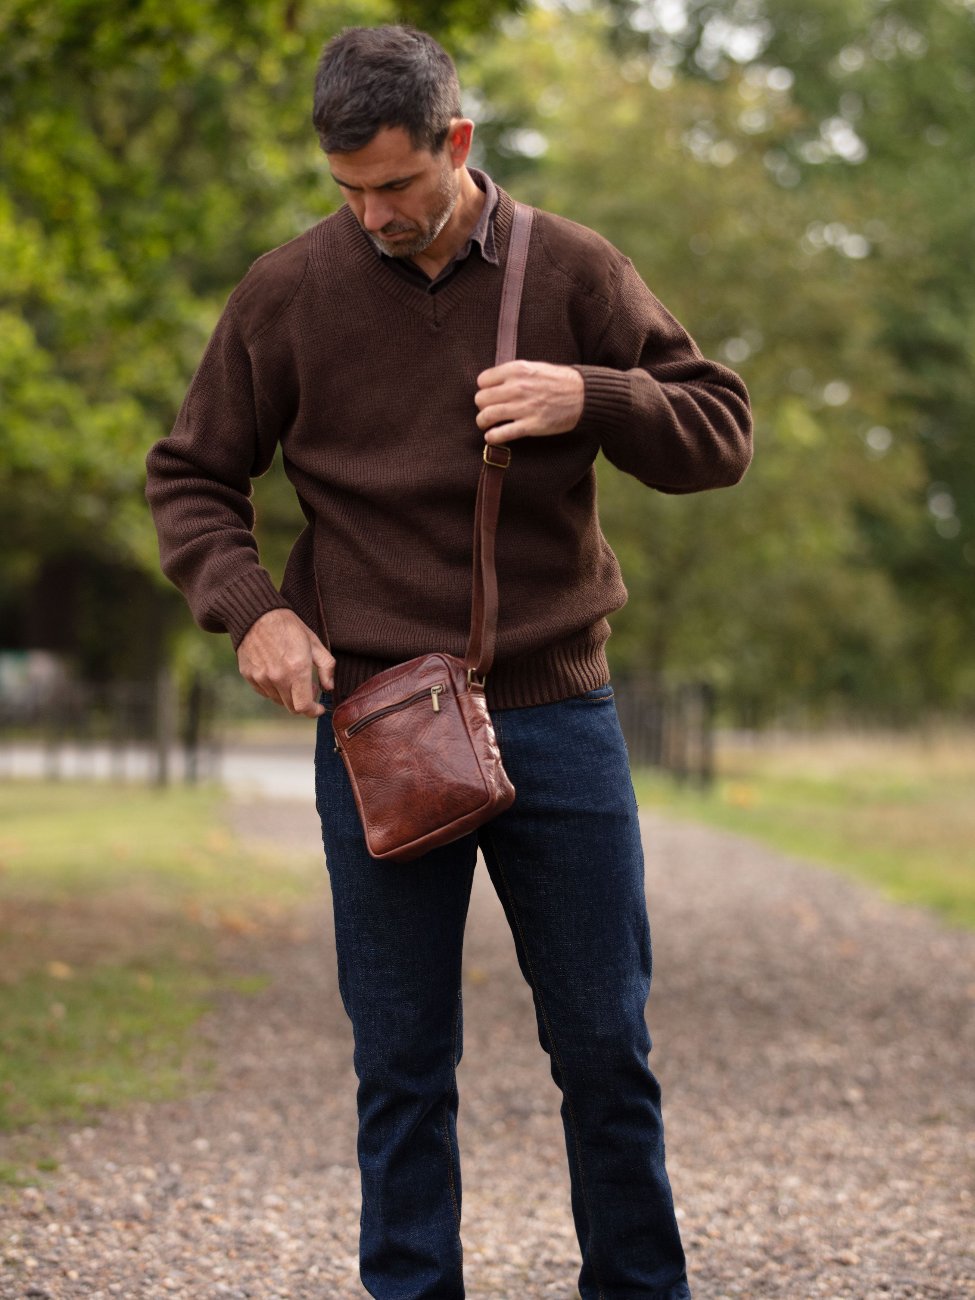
(432, 693)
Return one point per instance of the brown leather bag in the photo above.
(417, 739)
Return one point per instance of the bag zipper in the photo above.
(434, 692)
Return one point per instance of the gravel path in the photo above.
(815, 1048)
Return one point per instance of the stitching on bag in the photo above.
(601, 1295)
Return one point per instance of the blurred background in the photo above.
(793, 178)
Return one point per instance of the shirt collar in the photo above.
(483, 232)
(482, 235)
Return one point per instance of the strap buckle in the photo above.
(472, 679)
(502, 451)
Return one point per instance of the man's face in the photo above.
(401, 196)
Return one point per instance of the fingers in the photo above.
(277, 657)
(510, 432)
(304, 701)
(505, 385)
(505, 398)
(503, 415)
(528, 399)
(261, 687)
(324, 664)
(499, 413)
(510, 370)
(293, 689)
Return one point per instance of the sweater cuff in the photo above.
(241, 604)
(607, 402)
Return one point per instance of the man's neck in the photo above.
(457, 231)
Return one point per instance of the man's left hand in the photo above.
(528, 399)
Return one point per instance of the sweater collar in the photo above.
(359, 248)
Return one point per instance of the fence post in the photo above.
(670, 726)
(708, 709)
(192, 728)
(165, 723)
(118, 708)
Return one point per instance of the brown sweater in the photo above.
(368, 384)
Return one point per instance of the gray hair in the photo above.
(374, 77)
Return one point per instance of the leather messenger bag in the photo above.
(417, 739)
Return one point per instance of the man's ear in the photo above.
(459, 139)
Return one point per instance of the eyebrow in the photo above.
(386, 185)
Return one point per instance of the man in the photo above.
(365, 348)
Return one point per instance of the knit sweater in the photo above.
(368, 384)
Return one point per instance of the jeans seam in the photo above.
(601, 1295)
(446, 1128)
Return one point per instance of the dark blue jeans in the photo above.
(567, 863)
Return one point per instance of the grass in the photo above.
(71, 1044)
(89, 839)
(123, 913)
(896, 811)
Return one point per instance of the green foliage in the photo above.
(120, 236)
(786, 177)
(148, 154)
(799, 274)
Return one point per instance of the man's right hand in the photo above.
(277, 657)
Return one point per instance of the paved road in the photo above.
(282, 771)
(815, 1048)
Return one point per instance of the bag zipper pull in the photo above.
(435, 696)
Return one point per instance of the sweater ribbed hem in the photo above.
(240, 605)
(555, 672)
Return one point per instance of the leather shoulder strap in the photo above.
(514, 279)
(497, 458)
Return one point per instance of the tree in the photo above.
(775, 589)
(881, 130)
(148, 154)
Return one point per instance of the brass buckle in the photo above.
(502, 451)
(472, 679)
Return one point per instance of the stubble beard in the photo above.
(448, 192)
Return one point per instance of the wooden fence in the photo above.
(152, 732)
(670, 727)
(145, 731)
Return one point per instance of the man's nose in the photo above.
(376, 212)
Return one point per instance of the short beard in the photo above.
(448, 193)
